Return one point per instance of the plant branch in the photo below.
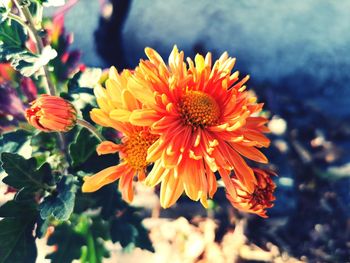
(91, 128)
(30, 25)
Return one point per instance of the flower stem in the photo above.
(38, 41)
(91, 128)
(18, 19)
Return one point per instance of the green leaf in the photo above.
(13, 141)
(17, 241)
(13, 49)
(61, 203)
(12, 35)
(68, 243)
(83, 147)
(18, 208)
(41, 226)
(24, 173)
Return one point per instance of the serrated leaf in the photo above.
(61, 204)
(83, 147)
(17, 241)
(123, 233)
(23, 173)
(26, 62)
(68, 244)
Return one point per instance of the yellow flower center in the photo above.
(135, 149)
(199, 109)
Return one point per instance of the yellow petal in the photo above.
(156, 175)
(129, 101)
(120, 115)
(141, 92)
(144, 117)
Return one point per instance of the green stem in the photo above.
(30, 25)
(91, 128)
(91, 248)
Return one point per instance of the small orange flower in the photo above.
(116, 100)
(51, 113)
(258, 201)
(133, 152)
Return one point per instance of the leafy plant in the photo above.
(45, 170)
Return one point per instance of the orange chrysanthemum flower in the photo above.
(116, 100)
(205, 121)
(258, 201)
(51, 113)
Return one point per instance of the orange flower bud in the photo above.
(258, 201)
(51, 113)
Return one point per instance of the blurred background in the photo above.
(298, 55)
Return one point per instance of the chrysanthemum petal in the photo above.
(102, 178)
(141, 92)
(107, 147)
(145, 117)
(156, 174)
(171, 190)
(129, 101)
(120, 115)
(250, 152)
(125, 185)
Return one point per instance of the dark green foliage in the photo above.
(23, 173)
(68, 242)
(44, 141)
(18, 208)
(17, 241)
(60, 203)
(83, 147)
(12, 37)
(127, 229)
(125, 225)
(16, 238)
(95, 232)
